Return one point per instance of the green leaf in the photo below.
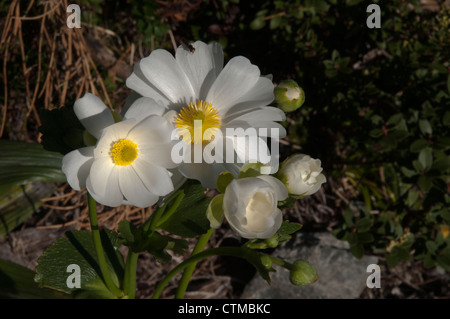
(412, 197)
(357, 250)
(364, 224)
(189, 219)
(425, 182)
(426, 158)
(408, 172)
(22, 163)
(418, 145)
(153, 242)
(365, 238)
(215, 213)
(17, 282)
(77, 248)
(425, 127)
(288, 228)
(223, 180)
(431, 246)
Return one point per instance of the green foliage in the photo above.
(77, 248)
(189, 218)
(282, 235)
(16, 282)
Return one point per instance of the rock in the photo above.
(340, 274)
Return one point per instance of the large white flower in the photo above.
(250, 206)
(129, 163)
(194, 85)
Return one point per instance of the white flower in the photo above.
(301, 174)
(194, 85)
(251, 206)
(129, 163)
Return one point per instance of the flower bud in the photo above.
(302, 273)
(250, 206)
(289, 95)
(301, 174)
(266, 261)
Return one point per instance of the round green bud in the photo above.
(302, 273)
(272, 242)
(289, 95)
(266, 261)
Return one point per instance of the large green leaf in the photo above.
(189, 219)
(21, 163)
(77, 248)
(19, 202)
(17, 282)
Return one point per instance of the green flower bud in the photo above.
(302, 273)
(289, 95)
(266, 261)
(272, 242)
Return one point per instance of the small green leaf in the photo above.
(431, 246)
(288, 228)
(412, 197)
(357, 250)
(364, 224)
(425, 182)
(250, 170)
(223, 180)
(426, 158)
(418, 145)
(425, 127)
(408, 172)
(365, 238)
(215, 213)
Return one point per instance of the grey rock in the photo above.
(340, 274)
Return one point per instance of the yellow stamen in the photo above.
(124, 152)
(189, 118)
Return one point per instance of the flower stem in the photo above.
(227, 251)
(199, 247)
(129, 281)
(99, 248)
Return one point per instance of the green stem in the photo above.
(155, 220)
(199, 247)
(227, 251)
(129, 281)
(99, 248)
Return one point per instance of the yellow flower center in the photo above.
(198, 122)
(124, 152)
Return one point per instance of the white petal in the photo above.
(138, 82)
(99, 174)
(112, 134)
(235, 80)
(217, 53)
(262, 114)
(76, 166)
(197, 65)
(320, 180)
(164, 73)
(155, 178)
(111, 194)
(263, 128)
(133, 188)
(261, 94)
(276, 185)
(93, 114)
(277, 218)
(153, 130)
(143, 107)
(160, 155)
